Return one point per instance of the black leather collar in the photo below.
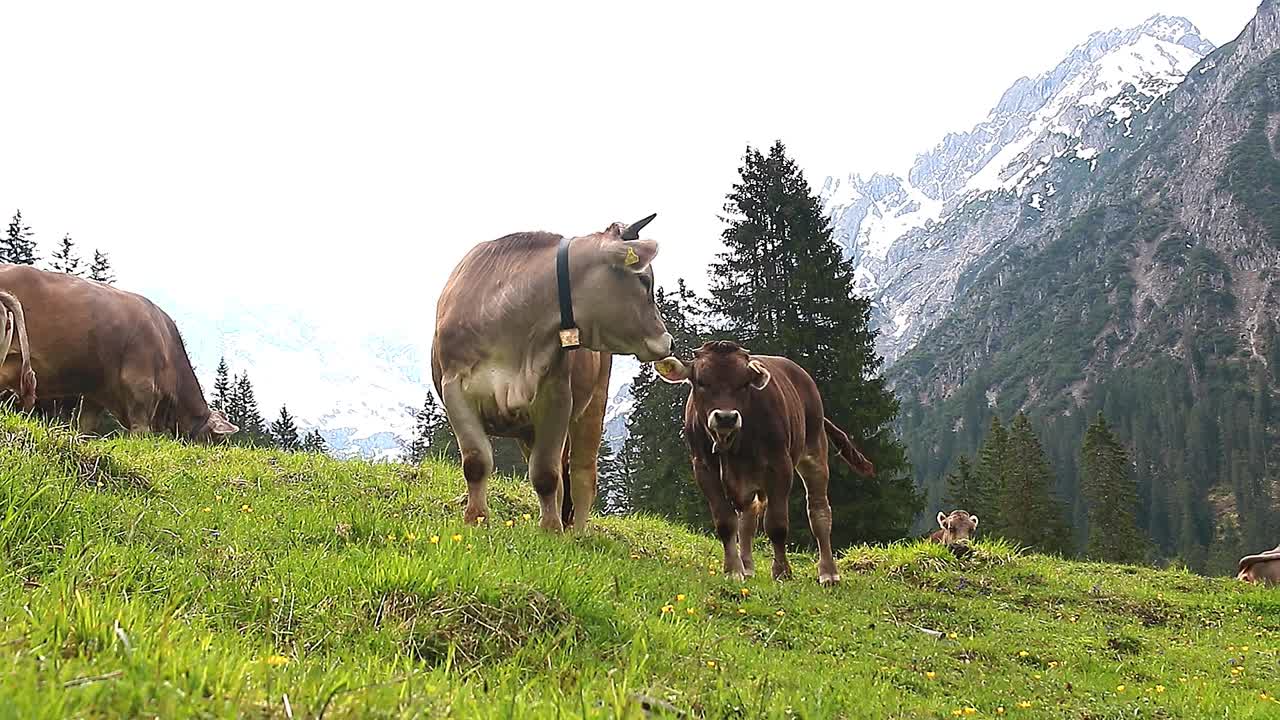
(569, 336)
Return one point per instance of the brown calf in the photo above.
(752, 423)
(955, 529)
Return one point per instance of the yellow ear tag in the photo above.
(664, 366)
(632, 257)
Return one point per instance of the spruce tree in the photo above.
(16, 246)
(313, 442)
(64, 259)
(1111, 492)
(430, 431)
(252, 426)
(659, 476)
(611, 481)
(1031, 515)
(284, 431)
(100, 270)
(962, 488)
(783, 286)
(222, 387)
(990, 471)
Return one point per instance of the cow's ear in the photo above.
(673, 370)
(635, 255)
(973, 520)
(763, 376)
(942, 520)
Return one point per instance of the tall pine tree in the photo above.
(990, 470)
(431, 434)
(100, 270)
(1031, 515)
(64, 259)
(655, 456)
(222, 386)
(284, 431)
(245, 403)
(17, 245)
(962, 488)
(1111, 493)
(782, 286)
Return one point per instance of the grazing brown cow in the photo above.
(1263, 568)
(955, 529)
(115, 349)
(752, 423)
(13, 325)
(504, 360)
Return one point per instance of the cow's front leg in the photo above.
(748, 523)
(473, 444)
(723, 517)
(546, 457)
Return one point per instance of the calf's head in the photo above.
(724, 379)
(1263, 568)
(958, 527)
(613, 293)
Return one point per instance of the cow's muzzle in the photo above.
(723, 425)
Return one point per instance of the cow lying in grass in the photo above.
(1263, 568)
(752, 423)
(955, 530)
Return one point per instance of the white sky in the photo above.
(350, 154)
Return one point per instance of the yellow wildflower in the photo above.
(956, 712)
(952, 636)
(206, 509)
(668, 609)
(690, 611)
(680, 597)
(246, 508)
(1159, 688)
(511, 523)
(276, 660)
(391, 538)
(1036, 676)
(780, 613)
(1024, 704)
(1053, 663)
(435, 539)
(931, 674)
(745, 592)
(970, 711)
(742, 611)
(1244, 648)
(526, 516)
(457, 538)
(1023, 653)
(1000, 710)
(1119, 688)
(711, 664)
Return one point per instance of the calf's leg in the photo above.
(748, 523)
(723, 517)
(546, 458)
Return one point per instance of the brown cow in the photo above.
(499, 361)
(752, 423)
(1263, 568)
(115, 349)
(955, 529)
(13, 325)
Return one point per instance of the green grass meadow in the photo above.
(145, 578)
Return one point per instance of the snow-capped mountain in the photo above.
(358, 386)
(1036, 120)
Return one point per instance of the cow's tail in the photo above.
(848, 452)
(26, 377)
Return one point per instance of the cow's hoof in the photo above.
(781, 572)
(828, 579)
(551, 525)
(474, 516)
(749, 571)
(736, 576)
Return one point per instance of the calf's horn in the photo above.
(633, 230)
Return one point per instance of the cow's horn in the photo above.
(633, 230)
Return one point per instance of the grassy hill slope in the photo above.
(143, 578)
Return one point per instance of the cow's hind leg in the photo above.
(816, 477)
(474, 446)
